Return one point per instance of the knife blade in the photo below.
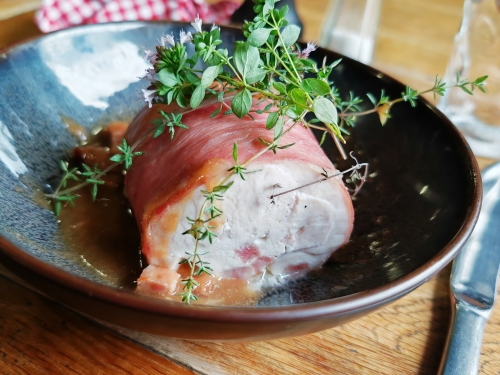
(474, 283)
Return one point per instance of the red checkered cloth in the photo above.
(59, 14)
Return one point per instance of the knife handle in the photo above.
(463, 346)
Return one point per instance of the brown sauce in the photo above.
(104, 233)
(105, 236)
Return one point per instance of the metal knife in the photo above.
(474, 283)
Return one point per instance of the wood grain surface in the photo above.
(38, 336)
(11, 8)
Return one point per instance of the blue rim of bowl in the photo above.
(367, 299)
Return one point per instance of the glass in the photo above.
(350, 28)
(476, 52)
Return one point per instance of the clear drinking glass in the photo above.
(350, 28)
(476, 52)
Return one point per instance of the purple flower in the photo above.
(185, 38)
(149, 96)
(197, 24)
(151, 75)
(167, 39)
(305, 53)
(150, 55)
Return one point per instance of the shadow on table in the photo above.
(438, 329)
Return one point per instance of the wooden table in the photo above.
(38, 336)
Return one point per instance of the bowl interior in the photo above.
(419, 194)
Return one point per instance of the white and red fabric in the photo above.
(60, 14)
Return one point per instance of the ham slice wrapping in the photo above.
(259, 242)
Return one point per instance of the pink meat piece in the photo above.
(163, 187)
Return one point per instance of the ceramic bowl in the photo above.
(417, 209)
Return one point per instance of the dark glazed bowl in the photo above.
(413, 215)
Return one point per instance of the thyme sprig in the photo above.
(201, 229)
(94, 176)
(60, 198)
(168, 121)
(126, 154)
(267, 67)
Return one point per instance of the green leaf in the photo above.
(241, 103)
(278, 129)
(265, 143)
(410, 95)
(159, 130)
(164, 115)
(170, 96)
(290, 34)
(323, 137)
(63, 166)
(181, 100)
(57, 208)
(246, 58)
(94, 181)
(255, 75)
(209, 75)
(372, 98)
(286, 146)
(283, 11)
(214, 60)
(167, 77)
(235, 152)
(314, 85)
(335, 63)
(294, 112)
(325, 111)
(258, 37)
(94, 192)
(216, 112)
(298, 96)
(117, 158)
(268, 6)
(308, 63)
(191, 77)
(280, 87)
(480, 79)
(197, 96)
(271, 120)
(223, 188)
(464, 89)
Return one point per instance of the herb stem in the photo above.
(339, 146)
(279, 59)
(285, 77)
(323, 128)
(228, 63)
(286, 49)
(79, 186)
(60, 184)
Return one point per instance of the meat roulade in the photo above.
(259, 242)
